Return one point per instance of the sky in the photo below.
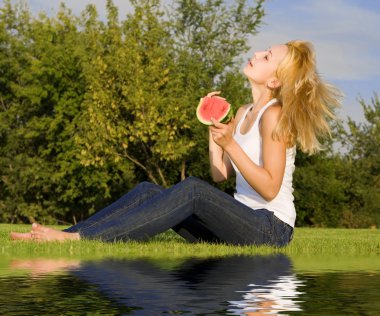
(345, 34)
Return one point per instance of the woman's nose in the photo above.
(258, 54)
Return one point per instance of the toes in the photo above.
(39, 228)
(36, 226)
(36, 234)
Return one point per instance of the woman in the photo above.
(291, 107)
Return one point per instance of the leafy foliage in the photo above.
(343, 189)
(90, 107)
(363, 167)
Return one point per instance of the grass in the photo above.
(311, 248)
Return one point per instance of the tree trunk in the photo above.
(183, 170)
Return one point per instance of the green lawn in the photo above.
(311, 248)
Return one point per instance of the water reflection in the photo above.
(224, 286)
(42, 266)
(280, 295)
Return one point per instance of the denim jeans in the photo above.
(193, 208)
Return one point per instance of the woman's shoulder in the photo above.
(273, 111)
(270, 117)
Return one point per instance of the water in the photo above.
(256, 285)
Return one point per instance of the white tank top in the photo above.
(251, 142)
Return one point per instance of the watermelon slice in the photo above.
(215, 107)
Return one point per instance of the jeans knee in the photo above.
(147, 186)
(194, 183)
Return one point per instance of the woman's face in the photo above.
(261, 68)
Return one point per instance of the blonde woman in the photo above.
(291, 108)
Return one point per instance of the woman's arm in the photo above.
(221, 167)
(265, 180)
(220, 164)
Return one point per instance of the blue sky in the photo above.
(345, 34)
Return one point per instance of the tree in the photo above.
(131, 111)
(155, 70)
(342, 189)
(88, 108)
(319, 192)
(210, 37)
(42, 98)
(362, 143)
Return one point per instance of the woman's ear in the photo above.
(273, 83)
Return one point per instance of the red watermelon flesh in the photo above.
(215, 107)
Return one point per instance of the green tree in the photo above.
(155, 70)
(319, 189)
(41, 174)
(210, 37)
(88, 107)
(362, 143)
(342, 189)
(131, 111)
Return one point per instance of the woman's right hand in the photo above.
(222, 134)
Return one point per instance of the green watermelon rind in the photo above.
(224, 119)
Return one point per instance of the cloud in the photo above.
(343, 32)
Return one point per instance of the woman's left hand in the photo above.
(222, 134)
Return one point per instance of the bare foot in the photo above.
(43, 233)
(21, 236)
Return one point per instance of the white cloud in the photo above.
(345, 36)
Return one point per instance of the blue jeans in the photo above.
(193, 208)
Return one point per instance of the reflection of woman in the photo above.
(196, 286)
(290, 107)
(277, 297)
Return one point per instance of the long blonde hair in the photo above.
(308, 103)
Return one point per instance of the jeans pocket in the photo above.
(266, 222)
(283, 233)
